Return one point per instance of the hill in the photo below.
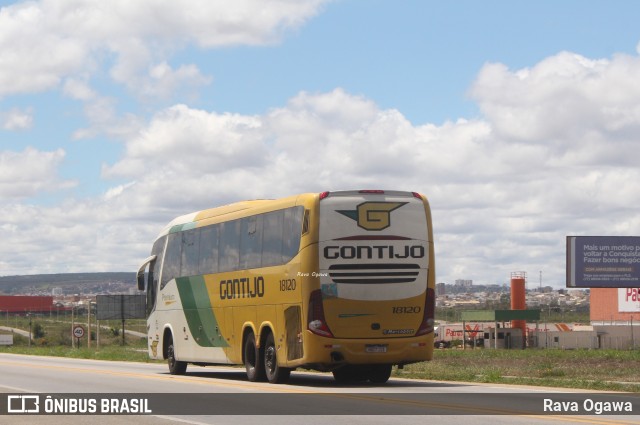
(69, 283)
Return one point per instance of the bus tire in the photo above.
(253, 359)
(176, 367)
(275, 374)
(380, 373)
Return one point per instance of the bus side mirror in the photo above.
(140, 275)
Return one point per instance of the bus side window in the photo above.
(272, 239)
(292, 232)
(190, 247)
(251, 242)
(208, 250)
(172, 257)
(229, 249)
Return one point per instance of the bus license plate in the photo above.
(375, 348)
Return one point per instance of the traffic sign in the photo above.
(78, 331)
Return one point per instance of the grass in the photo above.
(113, 352)
(605, 370)
(53, 338)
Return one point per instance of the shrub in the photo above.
(38, 330)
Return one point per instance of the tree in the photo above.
(38, 331)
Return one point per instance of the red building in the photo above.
(21, 304)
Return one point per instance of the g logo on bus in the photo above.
(372, 215)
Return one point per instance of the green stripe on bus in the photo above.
(198, 312)
(182, 227)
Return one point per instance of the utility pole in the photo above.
(29, 314)
(72, 326)
(540, 281)
(89, 324)
(633, 344)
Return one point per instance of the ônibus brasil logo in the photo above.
(372, 215)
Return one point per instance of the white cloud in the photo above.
(64, 44)
(78, 89)
(163, 80)
(35, 54)
(27, 173)
(100, 111)
(17, 119)
(578, 108)
(317, 142)
(43, 42)
(185, 141)
(72, 237)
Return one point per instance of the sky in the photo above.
(518, 120)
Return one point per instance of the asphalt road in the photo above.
(224, 396)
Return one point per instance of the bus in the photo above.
(339, 282)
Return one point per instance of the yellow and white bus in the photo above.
(336, 281)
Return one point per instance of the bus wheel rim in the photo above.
(269, 357)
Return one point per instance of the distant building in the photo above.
(22, 304)
(464, 283)
(440, 289)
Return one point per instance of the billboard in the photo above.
(629, 300)
(120, 307)
(603, 262)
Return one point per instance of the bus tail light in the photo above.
(374, 192)
(324, 195)
(429, 312)
(317, 323)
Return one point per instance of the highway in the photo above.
(308, 398)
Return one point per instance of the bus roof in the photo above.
(230, 209)
(263, 205)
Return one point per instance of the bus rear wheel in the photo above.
(379, 374)
(253, 359)
(176, 367)
(275, 374)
